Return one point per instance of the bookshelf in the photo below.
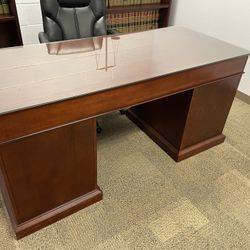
(10, 34)
(137, 15)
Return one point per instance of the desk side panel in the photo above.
(49, 175)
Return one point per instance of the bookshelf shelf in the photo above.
(7, 18)
(133, 15)
(133, 8)
(10, 34)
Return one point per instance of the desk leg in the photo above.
(47, 176)
(187, 123)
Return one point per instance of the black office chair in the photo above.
(73, 19)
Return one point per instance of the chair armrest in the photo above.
(43, 37)
(112, 32)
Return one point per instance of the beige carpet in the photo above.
(150, 202)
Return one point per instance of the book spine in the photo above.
(107, 20)
(144, 20)
(157, 19)
(116, 21)
(1, 8)
(112, 25)
(151, 20)
(139, 21)
(129, 21)
(6, 7)
(135, 21)
(132, 20)
(120, 22)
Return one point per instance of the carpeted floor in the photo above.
(151, 202)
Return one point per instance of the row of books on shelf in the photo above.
(112, 3)
(4, 7)
(133, 21)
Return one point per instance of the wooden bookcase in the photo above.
(163, 9)
(10, 34)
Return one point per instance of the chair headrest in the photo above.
(73, 3)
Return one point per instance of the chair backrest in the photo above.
(72, 19)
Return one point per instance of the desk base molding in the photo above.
(57, 214)
(173, 152)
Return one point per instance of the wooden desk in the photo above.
(179, 84)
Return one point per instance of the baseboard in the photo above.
(243, 97)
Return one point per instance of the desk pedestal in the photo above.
(189, 122)
(49, 175)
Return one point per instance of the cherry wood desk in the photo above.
(178, 84)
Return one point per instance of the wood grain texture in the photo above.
(208, 110)
(29, 81)
(10, 28)
(45, 173)
(25, 122)
(190, 122)
(45, 219)
(48, 105)
(175, 153)
(164, 15)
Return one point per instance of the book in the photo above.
(6, 7)
(120, 22)
(151, 19)
(133, 21)
(1, 8)
(126, 2)
(108, 21)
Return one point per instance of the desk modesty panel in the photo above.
(178, 84)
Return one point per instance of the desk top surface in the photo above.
(35, 75)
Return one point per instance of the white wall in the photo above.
(30, 19)
(228, 20)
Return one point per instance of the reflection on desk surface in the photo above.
(105, 57)
(75, 46)
(37, 74)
